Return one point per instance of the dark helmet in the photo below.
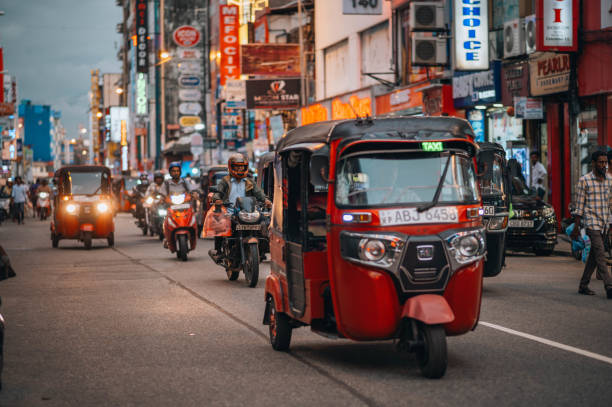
(144, 178)
(238, 166)
(158, 174)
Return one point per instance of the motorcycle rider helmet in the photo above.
(238, 166)
(158, 175)
(144, 178)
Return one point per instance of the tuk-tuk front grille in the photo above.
(424, 266)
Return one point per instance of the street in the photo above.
(134, 326)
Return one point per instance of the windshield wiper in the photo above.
(436, 197)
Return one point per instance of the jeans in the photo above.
(19, 207)
(597, 259)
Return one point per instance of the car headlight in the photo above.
(162, 212)
(466, 246)
(497, 223)
(548, 212)
(378, 250)
(149, 200)
(72, 208)
(177, 199)
(102, 207)
(249, 217)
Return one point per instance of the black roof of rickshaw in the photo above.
(325, 132)
(488, 146)
(82, 168)
(266, 158)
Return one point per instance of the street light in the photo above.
(119, 91)
(99, 115)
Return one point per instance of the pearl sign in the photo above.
(471, 26)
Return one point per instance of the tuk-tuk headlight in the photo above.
(162, 212)
(249, 217)
(72, 208)
(102, 207)
(377, 250)
(497, 223)
(467, 246)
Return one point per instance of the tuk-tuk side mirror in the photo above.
(319, 170)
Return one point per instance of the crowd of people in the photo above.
(22, 196)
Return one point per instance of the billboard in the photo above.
(557, 25)
(279, 94)
(270, 59)
(118, 114)
(229, 24)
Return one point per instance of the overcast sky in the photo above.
(52, 45)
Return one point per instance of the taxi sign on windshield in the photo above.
(432, 146)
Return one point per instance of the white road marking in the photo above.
(548, 342)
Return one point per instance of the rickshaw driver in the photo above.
(236, 185)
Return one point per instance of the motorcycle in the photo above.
(155, 213)
(180, 227)
(5, 204)
(139, 211)
(247, 243)
(43, 205)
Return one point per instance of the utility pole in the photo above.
(301, 40)
(162, 98)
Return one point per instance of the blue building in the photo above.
(37, 129)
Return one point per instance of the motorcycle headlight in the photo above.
(102, 207)
(72, 208)
(497, 223)
(162, 212)
(548, 212)
(149, 200)
(44, 194)
(378, 250)
(249, 217)
(177, 199)
(466, 246)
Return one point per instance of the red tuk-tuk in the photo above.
(83, 207)
(377, 233)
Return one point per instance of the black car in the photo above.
(533, 226)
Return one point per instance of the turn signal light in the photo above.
(356, 217)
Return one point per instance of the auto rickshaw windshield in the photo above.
(86, 183)
(491, 175)
(391, 178)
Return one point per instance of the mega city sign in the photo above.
(557, 26)
(141, 94)
(471, 26)
(229, 43)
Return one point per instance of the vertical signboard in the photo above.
(229, 42)
(471, 26)
(141, 36)
(141, 94)
(557, 25)
(118, 114)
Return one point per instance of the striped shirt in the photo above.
(594, 201)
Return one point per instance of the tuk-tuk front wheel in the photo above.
(251, 264)
(280, 330)
(87, 240)
(432, 356)
(111, 239)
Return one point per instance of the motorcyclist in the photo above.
(138, 193)
(176, 184)
(233, 186)
(158, 181)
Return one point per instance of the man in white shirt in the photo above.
(19, 197)
(538, 175)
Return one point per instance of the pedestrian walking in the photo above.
(19, 198)
(537, 175)
(593, 207)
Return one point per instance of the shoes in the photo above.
(165, 244)
(213, 255)
(609, 293)
(586, 291)
(598, 276)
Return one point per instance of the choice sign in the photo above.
(471, 27)
(186, 36)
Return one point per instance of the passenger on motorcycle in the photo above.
(236, 185)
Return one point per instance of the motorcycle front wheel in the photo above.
(182, 247)
(251, 264)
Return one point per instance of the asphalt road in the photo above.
(134, 326)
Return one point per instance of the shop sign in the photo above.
(273, 94)
(118, 115)
(189, 121)
(410, 98)
(471, 32)
(471, 89)
(515, 82)
(438, 100)
(141, 36)
(477, 121)
(356, 105)
(189, 53)
(7, 109)
(261, 30)
(229, 43)
(270, 59)
(528, 108)
(186, 36)
(362, 6)
(549, 73)
(557, 25)
(315, 113)
(190, 67)
(235, 94)
(173, 127)
(190, 95)
(190, 108)
(188, 81)
(141, 95)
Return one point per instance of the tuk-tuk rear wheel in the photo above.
(432, 357)
(280, 330)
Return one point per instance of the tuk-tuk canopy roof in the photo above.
(266, 158)
(82, 168)
(487, 146)
(325, 132)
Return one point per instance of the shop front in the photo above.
(348, 106)
(429, 99)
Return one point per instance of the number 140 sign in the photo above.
(362, 6)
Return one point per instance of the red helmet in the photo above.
(238, 166)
